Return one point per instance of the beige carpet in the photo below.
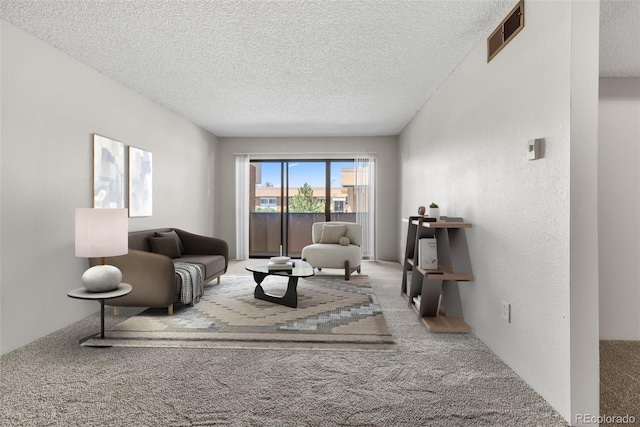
(332, 314)
(432, 380)
(620, 382)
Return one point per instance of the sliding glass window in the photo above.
(288, 196)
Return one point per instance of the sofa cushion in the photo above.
(213, 264)
(173, 234)
(332, 233)
(344, 241)
(167, 246)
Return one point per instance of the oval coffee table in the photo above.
(290, 298)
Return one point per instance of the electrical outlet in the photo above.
(506, 311)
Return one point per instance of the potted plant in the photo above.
(434, 211)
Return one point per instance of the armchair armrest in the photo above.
(195, 244)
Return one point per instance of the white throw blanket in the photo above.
(192, 278)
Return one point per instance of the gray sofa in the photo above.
(149, 268)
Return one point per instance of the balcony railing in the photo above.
(264, 231)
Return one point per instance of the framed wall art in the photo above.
(140, 182)
(108, 173)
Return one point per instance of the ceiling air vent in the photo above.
(506, 31)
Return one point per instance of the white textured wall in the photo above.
(386, 153)
(51, 105)
(466, 150)
(619, 208)
(584, 350)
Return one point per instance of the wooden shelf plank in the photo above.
(424, 221)
(436, 275)
(446, 324)
(447, 224)
(444, 272)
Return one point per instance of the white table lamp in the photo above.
(101, 233)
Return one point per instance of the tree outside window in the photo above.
(304, 201)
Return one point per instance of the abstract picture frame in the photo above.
(108, 173)
(140, 182)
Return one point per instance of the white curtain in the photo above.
(365, 179)
(242, 206)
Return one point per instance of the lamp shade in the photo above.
(101, 232)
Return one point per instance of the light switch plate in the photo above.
(533, 152)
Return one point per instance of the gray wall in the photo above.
(51, 105)
(533, 241)
(619, 208)
(384, 149)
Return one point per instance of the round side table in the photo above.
(82, 293)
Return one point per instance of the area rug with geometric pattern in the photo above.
(332, 314)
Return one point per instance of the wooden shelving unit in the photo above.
(434, 294)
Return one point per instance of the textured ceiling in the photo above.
(284, 68)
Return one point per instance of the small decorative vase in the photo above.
(102, 278)
(421, 210)
(434, 213)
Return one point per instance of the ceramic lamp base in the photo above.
(101, 278)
